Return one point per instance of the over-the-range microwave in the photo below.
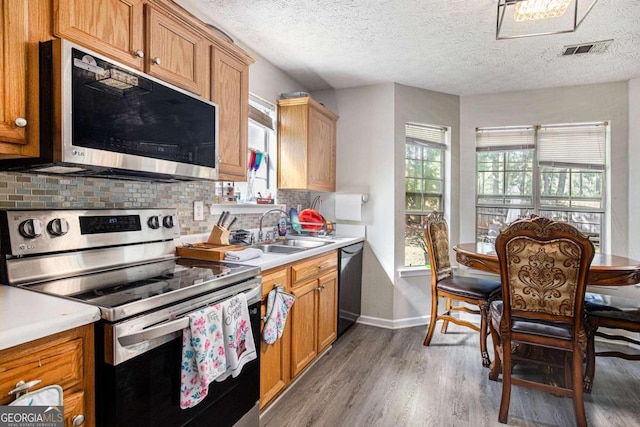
(101, 118)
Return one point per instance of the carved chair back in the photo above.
(544, 267)
(436, 234)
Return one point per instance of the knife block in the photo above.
(219, 236)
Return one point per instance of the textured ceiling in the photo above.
(443, 45)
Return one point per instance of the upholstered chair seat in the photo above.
(615, 313)
(544, 268)
(445, 284)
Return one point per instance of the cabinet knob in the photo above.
(138, 53)
(21, 122)
(78, 420)
(156, 60)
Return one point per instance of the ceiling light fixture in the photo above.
(527, 18)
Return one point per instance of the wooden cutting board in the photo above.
(207, 251)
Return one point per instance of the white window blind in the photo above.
(582, 145)
(505, 138)
(430, 136)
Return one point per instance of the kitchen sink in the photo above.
(290, 246)
(299, 243)
(278, 248)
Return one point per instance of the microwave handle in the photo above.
(171, 327)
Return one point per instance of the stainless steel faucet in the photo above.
(260, 235)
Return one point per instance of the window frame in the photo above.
(536, 205)
(433, 138)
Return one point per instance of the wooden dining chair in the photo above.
(444, 284)
(544, 268)
(614, 313)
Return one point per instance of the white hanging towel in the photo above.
(203, 354)
(46, 396)
(278, 305)
(238, 336)
(243, 255)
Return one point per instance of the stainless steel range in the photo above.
(124, 262)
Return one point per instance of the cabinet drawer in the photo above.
(312, 267)
(55, 364)
(272, 278)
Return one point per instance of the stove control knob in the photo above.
(167, 221)
(58, 227)
(154, 222)
(30, 228)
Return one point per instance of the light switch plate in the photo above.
(198, 210)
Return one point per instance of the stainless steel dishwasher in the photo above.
(349, 286)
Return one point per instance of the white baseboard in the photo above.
(408, 322)
(394, 324)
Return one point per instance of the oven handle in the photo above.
(169, 327)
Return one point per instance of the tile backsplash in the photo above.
(27, 191)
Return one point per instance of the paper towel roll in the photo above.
(348, 207)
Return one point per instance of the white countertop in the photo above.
(270, 260)
(27, 315)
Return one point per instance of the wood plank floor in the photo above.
(381, 377)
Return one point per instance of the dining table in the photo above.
(605, 269)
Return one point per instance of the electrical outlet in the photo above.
(198, 210)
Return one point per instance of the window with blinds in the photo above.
(553, 170)
(425, 147)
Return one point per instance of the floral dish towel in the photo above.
(278, 305)
(203, 354)
(238, 336)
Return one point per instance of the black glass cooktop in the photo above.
(143, 287)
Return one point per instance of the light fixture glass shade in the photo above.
(526, 18)
(540, 9)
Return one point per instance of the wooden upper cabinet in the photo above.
(230, 90)
(23, 23)
(13, 75)
(138, 35)
(306, 145)
(175, 53)
(114, 28)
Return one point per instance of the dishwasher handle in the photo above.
(168, 328)
(352, 249)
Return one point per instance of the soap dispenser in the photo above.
(282, 227)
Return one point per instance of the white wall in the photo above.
(365, 163)
(266, 80)
(588, 103)
(412, 296)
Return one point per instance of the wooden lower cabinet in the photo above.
(65, 359)
(304, 321)
(274, 358)
(312, 324)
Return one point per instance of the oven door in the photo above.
(145, 388)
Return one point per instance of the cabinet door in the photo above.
(322, 152)
(176, 54)
(13, 76)
(111, 27)
(304, 321)
(274, 358)
(230, 90)
(73, 407)
(292, 145)
(327, 310)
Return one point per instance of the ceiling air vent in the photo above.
(579, 49)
